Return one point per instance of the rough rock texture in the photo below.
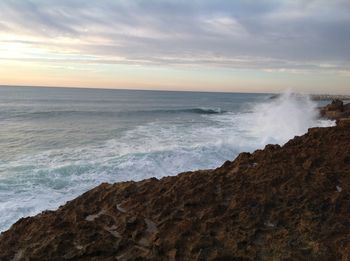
(280, 203)
(336, 110)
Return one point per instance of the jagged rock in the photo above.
(336, 110)
(280, 203)
(336, 105)
(343, 122)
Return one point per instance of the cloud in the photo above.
(268, 34)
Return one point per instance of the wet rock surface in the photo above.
(337, 110)
(280, 203)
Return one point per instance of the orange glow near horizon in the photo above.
(43, 73)
(211, 51)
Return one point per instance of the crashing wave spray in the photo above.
(288, 115)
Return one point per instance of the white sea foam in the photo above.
(35, 182)
(283, 118)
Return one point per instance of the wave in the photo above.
(64, 113)
(284, 117)
(46, 179)
(203, 110)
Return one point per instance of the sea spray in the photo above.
(281, 119)
(49, 155)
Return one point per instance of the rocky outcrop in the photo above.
(320, 97)
(329, 97)
(280, 203)
(336, 111)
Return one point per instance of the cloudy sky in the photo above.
(236, 45)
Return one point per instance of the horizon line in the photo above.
(126, 89)
(162, 90)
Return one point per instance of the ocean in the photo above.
(56, 143)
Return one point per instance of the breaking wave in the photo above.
(281, 119)
(77, 113)
(47, 178)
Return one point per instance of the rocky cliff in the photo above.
(280, 203)
(338, 111)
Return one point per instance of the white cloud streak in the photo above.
(267, 35)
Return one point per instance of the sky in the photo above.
(198, 45)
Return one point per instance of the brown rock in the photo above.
(343, 122)
(335, 110)
(336, 105)
(280, 203)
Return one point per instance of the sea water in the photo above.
(56, 143)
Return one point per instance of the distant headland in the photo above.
(322, 97)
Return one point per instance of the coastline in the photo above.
(322, 97)
(280, 202)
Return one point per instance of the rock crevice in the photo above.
(280, 203)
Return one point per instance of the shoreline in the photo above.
(279, 202)
(322, 97)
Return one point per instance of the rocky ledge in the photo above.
(338, 111)
(280, 203)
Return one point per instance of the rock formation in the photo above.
(337, 111)
(280, 203)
